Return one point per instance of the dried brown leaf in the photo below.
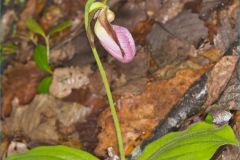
(19, 84)
(67, 79)
(28, 12)
(131, 13)
(163, 11)
(137, 68)
(230, 98)
(32, 9)
(173, 50)
(212, 54)
(209, 6)
(47, 121)
(226, 32)
(186, 27)
(51, 17)
(219, 77)
(141, 30)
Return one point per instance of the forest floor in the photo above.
(186, 66)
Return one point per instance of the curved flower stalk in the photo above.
(117, 41)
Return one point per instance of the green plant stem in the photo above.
(46, 38)
(105, 1)
(110, 100)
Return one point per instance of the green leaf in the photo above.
(35, 27)
(209, 118)
(53, 153)
(43, 86)
(60, 27)
(198, 142)
(41, 59)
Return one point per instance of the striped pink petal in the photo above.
(126, 51)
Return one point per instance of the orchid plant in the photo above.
(117, 40)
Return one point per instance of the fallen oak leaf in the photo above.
(19, 82)
(230, 98)
(219, 77)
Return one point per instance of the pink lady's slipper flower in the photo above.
(117, 40)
